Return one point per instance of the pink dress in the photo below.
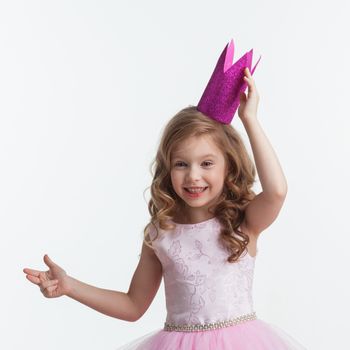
(209, 300)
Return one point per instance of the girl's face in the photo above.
(197, 162)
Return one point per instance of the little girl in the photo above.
(202, 236)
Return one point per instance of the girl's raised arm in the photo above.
(265, 207)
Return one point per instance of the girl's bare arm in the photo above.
(263, 210)
(145, 281)
(128, 306)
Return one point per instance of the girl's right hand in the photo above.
(53, 283)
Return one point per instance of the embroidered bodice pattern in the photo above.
(201, 286)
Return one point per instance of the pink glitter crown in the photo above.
(221, 97)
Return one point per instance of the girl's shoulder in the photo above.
(152, 230)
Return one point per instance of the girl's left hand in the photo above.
(248, 105)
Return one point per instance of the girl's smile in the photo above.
(195, 193)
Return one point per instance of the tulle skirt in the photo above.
(250, 335)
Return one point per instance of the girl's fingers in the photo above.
(31, 272)
(35, 276)
(48, 261)
(33, 279)
(248, 77)
(47, 284)
(250, 81)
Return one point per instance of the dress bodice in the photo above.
(201, 286)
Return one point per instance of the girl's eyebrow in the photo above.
(205, 156)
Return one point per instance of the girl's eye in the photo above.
(205, 162)
(208, 163)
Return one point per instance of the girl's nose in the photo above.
(194, 173)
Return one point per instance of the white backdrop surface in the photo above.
(86, 88)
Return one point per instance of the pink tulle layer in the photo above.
(250, 335)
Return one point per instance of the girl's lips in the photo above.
(195, 187)
(195, 195)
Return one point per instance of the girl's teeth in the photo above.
(197, 190)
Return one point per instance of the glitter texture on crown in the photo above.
(221, 97)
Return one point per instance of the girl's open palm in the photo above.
(53, 283)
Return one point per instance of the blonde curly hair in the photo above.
(237, 191)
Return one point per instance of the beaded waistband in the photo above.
(209, 326)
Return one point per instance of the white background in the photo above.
(86, 88)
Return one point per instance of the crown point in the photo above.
(229, 56)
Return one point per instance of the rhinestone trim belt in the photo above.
(209, 326)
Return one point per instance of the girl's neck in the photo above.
(195, 218)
